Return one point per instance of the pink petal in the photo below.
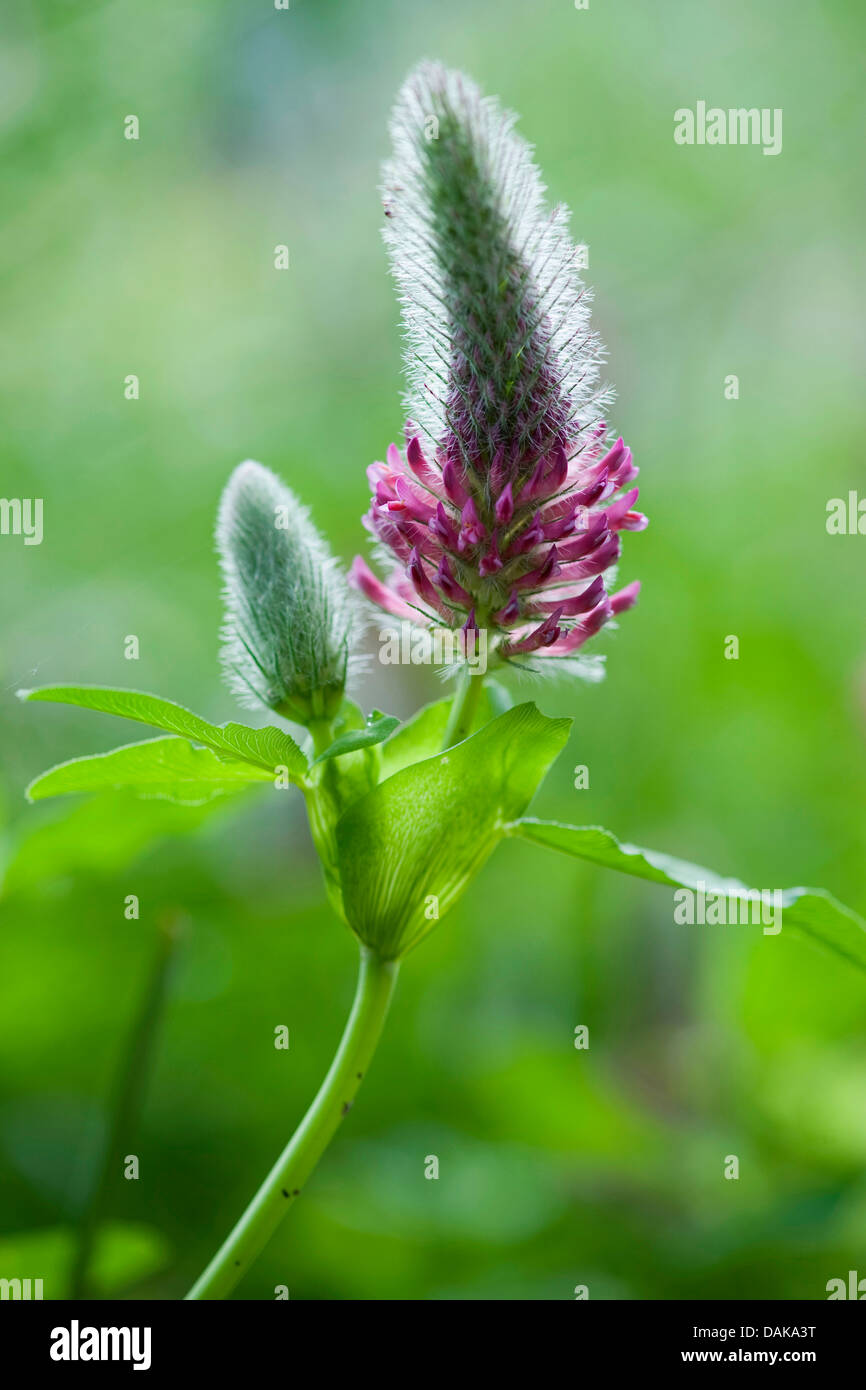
(574, 639)
(361, 577)
(617, 510)
(626, 598)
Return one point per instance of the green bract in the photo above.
(424, 734)
(408, 850)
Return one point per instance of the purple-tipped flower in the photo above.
(506, 510)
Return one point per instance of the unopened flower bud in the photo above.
(288, 608)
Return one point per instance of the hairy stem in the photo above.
(286, 1179)
(463, 707)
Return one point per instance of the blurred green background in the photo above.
(155, 257)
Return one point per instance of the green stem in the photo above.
(463, 707)
(283, 1184)
(322, 734)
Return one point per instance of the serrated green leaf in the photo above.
(267, 748)
(812, 911)
(376, 729)
(167, 768)
(408, 849)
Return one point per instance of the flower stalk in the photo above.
(463, 707)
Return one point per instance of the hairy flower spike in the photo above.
(288, 607)
(500, 351)
(507, 471)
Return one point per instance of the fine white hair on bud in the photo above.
(501, 358)
(288, 609)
